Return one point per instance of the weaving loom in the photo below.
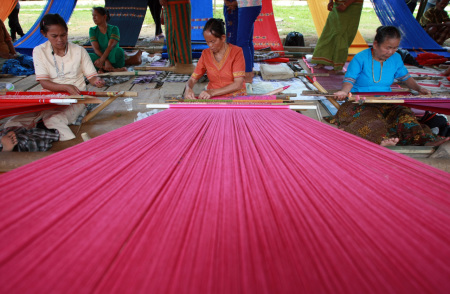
(435, 104)
(128, 16)
(33, 37)
(226, 200)
(201, 12)
(414, 38)
(265, 32)
(15, 103)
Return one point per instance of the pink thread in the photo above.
(259, 97)
(228, 106)
(225, 201)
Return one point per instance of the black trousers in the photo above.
(14, 25)
(411, 5)
(155, 9)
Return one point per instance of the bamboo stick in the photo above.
(293, 107)
(102, 106)
(127, 73)
(322, 90)
(186, 69)
(210, 101)
(301, 74)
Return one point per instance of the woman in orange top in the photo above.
(223, 63)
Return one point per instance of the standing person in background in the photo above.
(155, 10)
(13, 22)
(230, 13)
(177, 21)
(430, 4)
(338, 34)
(248, 11)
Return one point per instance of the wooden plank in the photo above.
(147, 94)
(26, 83)
(298, 49)
(36, 88)
(412, 149)
(12, 160)
(304, 66)
(12, 80)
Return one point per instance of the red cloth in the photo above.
(265, 33)
(430, 59)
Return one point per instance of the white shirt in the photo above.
(75, 65)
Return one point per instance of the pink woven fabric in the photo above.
(225, 201)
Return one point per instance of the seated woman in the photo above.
(7, 50)
(107, 56)
(374, 70)
(436, 22)
(223, 63)
(61, 67)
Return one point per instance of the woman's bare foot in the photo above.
(389, 142)
(9, 141)
(135, 59)
(108, 66)
(317, 66)
(438, 142)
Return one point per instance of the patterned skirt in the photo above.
(377, 122)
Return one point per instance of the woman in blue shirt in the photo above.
(374, 70)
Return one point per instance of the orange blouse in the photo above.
(223, 73)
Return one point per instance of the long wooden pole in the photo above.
(102, 106)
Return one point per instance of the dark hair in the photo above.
(387, 32)
(215, 26)
(102, 11)
(51, 19)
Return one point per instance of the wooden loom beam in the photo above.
(102, 106)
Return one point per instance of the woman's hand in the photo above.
(98, 82)
(424, 91)
(342, 7)
(340, 95)
(72, 89)
(189, 93)
(205, 95)
(330, 5)
(230, 5)
(99, 63)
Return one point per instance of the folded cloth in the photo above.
(276, 71)
(261, 55)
